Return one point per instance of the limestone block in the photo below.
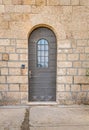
(2, 9)
(14, 71)
(24, 71)
(75, 88)
(77, 64)
(4, 71)
(73, 57)
(17, 2)
(14, 87)
(22, 51)
(7, 2)
(0, 1)
(74, 43)
(53, 2)
(85, 87)
(5, 57)
(24, 96)
(87, 57)
(71, 71)
(64, 2)
(29, 2)
(17, 79)
(64, 79)
(86, 49)
(62, 57)
(84, 2)
(22, 44)
(64, 44)
(26, 17)
(23, 57)
(85, 64)
(17, 64)
(2, 49)
(61, 71)
(13, 57)
(74, 2)
(68, 87)
(82, 43)
(79, 25)
(81, 71)
(16, 16)
(23, 87)
(13, 97)
(67, 51)
(4, 42)
(64, 64)
(2, 79)
(4, 25)
(64, 95)
(9, 8)
(82, 96)
(23, 8)
(3, 87)
(60, 88)
(80, 34)
(3, 64)
(79, 50)
(6, 17)
(83, 57)
(10, 49)
(81, 79)
(40, 2)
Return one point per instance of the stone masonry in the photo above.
(69, 19)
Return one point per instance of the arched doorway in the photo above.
(42, 65)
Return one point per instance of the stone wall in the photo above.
(69, 19)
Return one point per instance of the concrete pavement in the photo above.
(44, 118)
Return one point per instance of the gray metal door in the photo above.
(42, 65)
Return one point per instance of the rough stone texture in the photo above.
(71, 27)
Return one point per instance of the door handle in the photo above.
(30, 74)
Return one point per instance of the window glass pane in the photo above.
(38, 59)
(46, 47)
(42, 53)
(46, 53)
(46, 64)
(46, 59)
(42, 47)
(39, 53)
(42, 59)
(39, 47)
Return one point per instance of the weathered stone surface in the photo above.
(57, 116)
(61, 128)
(5, 57)
(74, 2)
(11, 118)
(17, 79)
(64, 2)
(84, 2)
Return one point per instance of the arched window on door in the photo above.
(42, 53)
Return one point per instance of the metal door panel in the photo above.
(42, 82)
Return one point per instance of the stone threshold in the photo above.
(42, 103)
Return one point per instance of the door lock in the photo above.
(30, 74)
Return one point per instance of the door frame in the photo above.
(50, 28)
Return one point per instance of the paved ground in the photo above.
(44, 118)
